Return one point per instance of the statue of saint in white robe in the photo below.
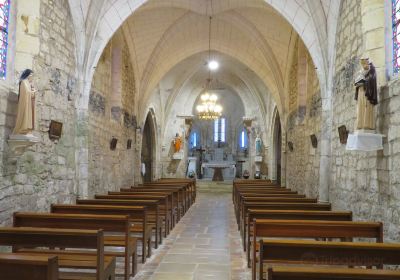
(25, 122)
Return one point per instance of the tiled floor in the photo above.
(204, 245)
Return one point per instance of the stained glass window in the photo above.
(4, 18)
(219, 130)
(396, 35)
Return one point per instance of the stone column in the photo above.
(325, 143)
(82, 153)
(373, 29)
(116, 78)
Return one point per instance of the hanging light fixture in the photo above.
(209, 109)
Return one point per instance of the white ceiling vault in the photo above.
(161, 34)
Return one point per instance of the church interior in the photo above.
(200, 139)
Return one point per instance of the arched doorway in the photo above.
(148, 148)
(278, 147)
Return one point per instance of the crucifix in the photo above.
(201, 151)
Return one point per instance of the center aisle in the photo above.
(204, 245)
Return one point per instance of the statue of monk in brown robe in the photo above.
(366, 96)
(25, 123)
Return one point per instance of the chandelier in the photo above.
(209, 109)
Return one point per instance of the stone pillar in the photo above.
(116, 78)
(82, 153)
(373, 29)
(27, 34)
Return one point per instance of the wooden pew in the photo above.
(327, 253)
(314, 273)
(137, 215)
(261, 193)
(267, 199)
(265, 193)
(280, 206)
(20, 267)
(290, 215)
(344, 230)
(153, 210)
(189, 191)
(162, 201)
(167, 203)
(23, 237)
(239, 189)
(108, 223)
(190, 182)
(177, 194)
(173, 197)
(185, 196)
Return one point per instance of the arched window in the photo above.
(243, 140)
(219, 130)
(4, 19)
(194, 140)
(396, 35)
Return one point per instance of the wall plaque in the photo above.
(113, 144)
(343, 134)
(314, 141)
(55, 130)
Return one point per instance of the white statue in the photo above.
(258, 146)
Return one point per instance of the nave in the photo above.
(205, 244)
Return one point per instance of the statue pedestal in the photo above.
(364, 141)
(178, 155)
(19, 142)
(258, 159)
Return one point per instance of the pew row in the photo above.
(137, 215)
(112, 224)
(327, 253)
(23, 237)
(343, 230)
(290, 215)
(20, 267)
(313, 273)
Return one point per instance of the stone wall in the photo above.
(303, 162)
(45, 173)
(367, 183)
(110, 169)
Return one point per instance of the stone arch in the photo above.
(276, 154)
(149, 146)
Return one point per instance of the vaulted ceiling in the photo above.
(259, 34)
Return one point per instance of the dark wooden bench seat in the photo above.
(137, 214)
(153, 211)
(120, 224)
(176, 198)
(263, 193)
(327, 253)
(20, 267)
(290, 215)
(23, 237)
(266, 199)
(185, 198)
(344, 230)
(188, 191)
(280, 206)
(319, 273)
(190, 183)
(163, 208)
(238, 200)
(171, 199)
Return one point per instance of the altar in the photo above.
(219, 171)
